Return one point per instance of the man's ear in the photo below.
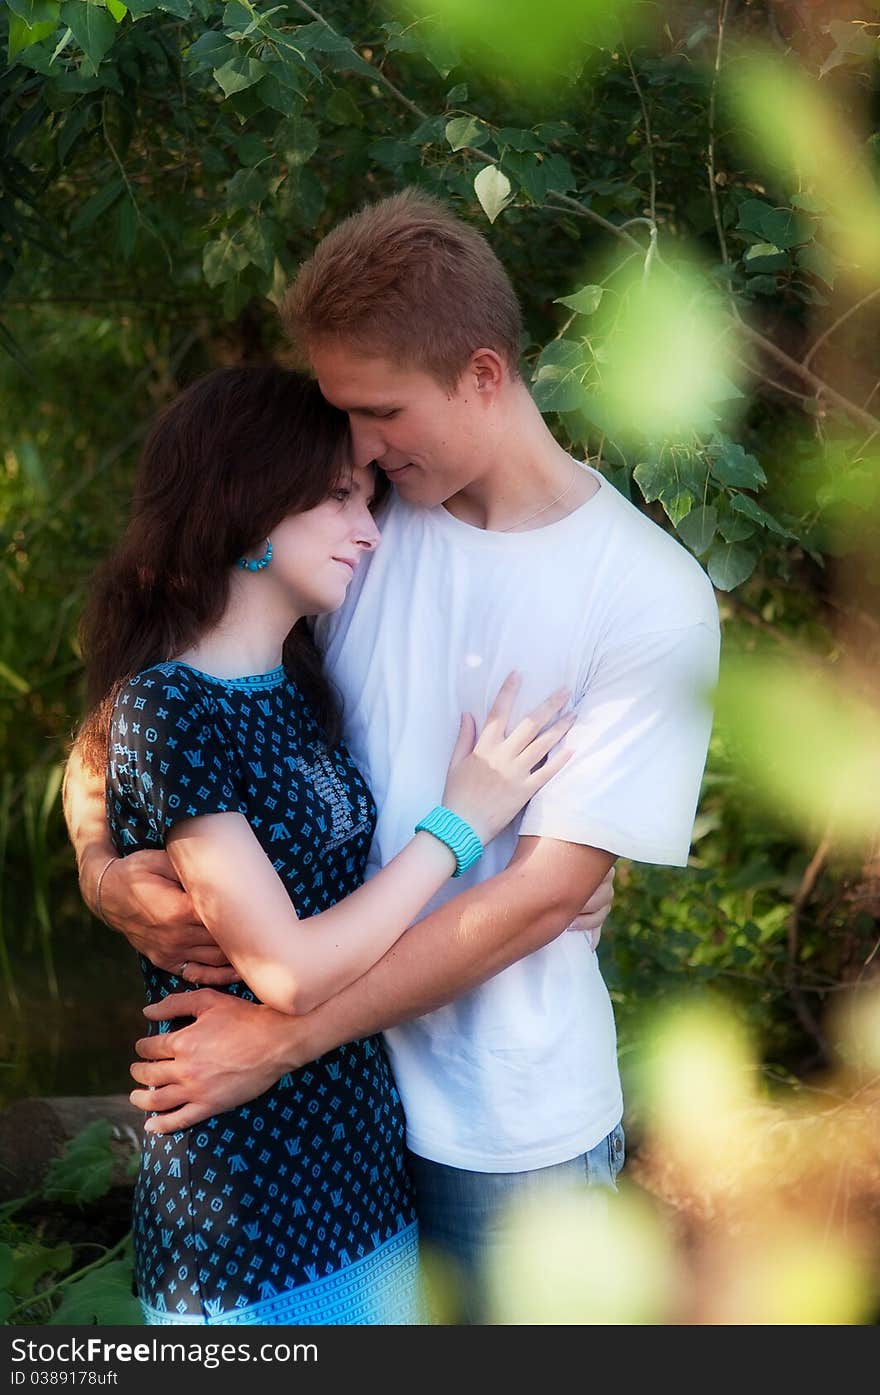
(486, 372)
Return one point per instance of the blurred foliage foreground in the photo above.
(686, 197)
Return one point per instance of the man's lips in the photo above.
(398, 470)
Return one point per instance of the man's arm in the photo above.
(140, 896)
(236, 1050)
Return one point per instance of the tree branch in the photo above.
(837, 323)
(380, 76)
(648, 137)
(811, 875)
(820, 388)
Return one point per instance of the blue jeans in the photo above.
(461, 1213)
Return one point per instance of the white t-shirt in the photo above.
(522, 1072)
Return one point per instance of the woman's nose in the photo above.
(368, 535)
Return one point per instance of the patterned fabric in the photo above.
(296, 1207)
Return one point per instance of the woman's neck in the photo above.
(249, 637)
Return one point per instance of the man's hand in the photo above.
(595, 911)
(141, 897)
(233, 1052)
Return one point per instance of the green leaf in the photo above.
(97, 205)
(560, 177)
(819, 260)
(730, 564)
(697, 528)
(783, 227)
(117, 10)
(32, 1262)
(343, 109)
(733, 527)
(73, 127)
(430, 132)
(310, 197)
(493, 190)
(742, 503)
(246, 189)
(558, 381)
(462, 131)
(126, 228)
(223, 259)
(318, 36)
(457, 94)
(250, 149)
(764, 257)
(239, 73)
(211, 50)
(84, 1170)
(519, 139)
(531, 173)
(279, 96)
(399, 40)
(652, 478)
(391, 153)
(92, 28)
(297, 142)
(22, 36)
(441, 51)
(33, 12)
(583, 302)
(260, 237)
(237, 16)
(5, 1265)
(763, 285)
(102, 1297)
(677, 505)
(733, 466)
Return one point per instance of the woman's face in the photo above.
(315, 554)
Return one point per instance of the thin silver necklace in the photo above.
(537, 512)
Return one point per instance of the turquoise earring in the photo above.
(259, 565)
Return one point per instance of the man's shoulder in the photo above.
(653, 571)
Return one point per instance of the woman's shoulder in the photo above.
(163, 689)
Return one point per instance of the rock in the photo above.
(33, 1131)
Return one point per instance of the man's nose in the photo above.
(366, 443)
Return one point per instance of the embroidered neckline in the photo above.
(248, 681)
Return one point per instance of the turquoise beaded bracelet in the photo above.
(458, 836)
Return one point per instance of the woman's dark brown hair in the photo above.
(236, 452)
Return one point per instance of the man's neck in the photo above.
(528, 481)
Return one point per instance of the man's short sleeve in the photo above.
(640, 746)
(168, 760)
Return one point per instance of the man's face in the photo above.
(426, 438)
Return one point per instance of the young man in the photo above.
(499, 551)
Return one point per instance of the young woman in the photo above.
(224, 749)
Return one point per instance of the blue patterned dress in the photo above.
(297, 1207)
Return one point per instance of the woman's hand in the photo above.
(490, 780)
(592, 916)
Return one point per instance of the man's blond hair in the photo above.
(406, 280)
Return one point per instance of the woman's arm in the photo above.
(140, 895)
(295, 965)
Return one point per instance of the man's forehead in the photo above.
(352, 381)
